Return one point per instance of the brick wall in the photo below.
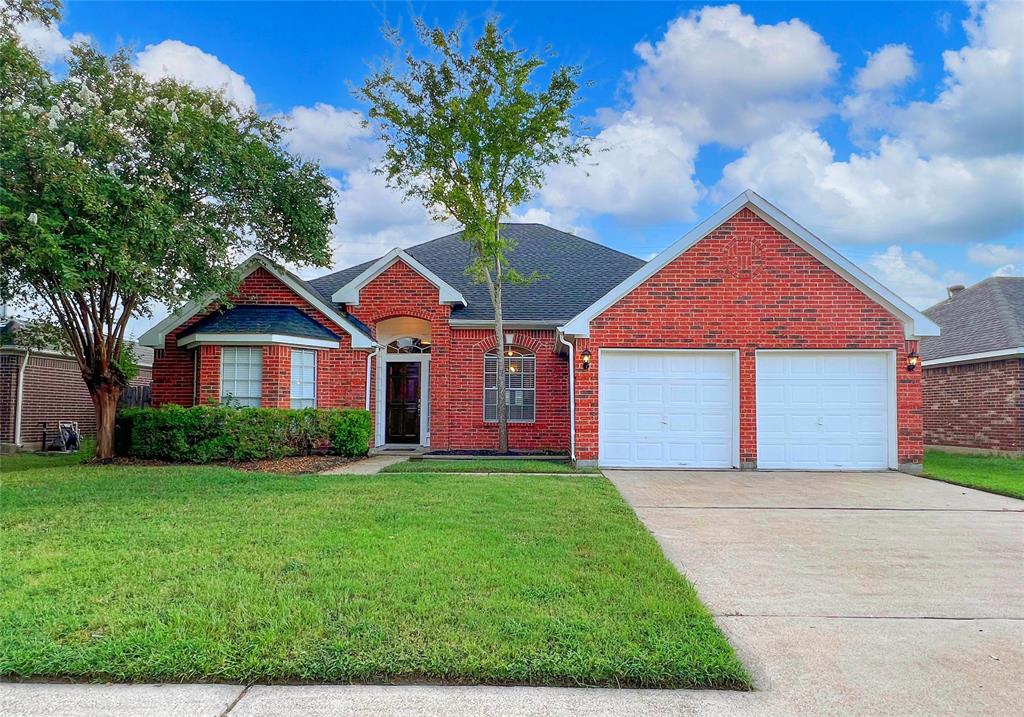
(53, 391)
(340, 372)
(975, 405)
(746, 286)
(468, 430)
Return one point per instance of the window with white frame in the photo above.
(303, 378)
(520, 385)
(241, 375)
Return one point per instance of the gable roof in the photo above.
(360, 339)
(915, 323)
(987, 318)
(575, 273)
(349, 293)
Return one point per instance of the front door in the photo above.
(402, 409)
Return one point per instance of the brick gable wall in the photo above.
(746, 286)
(975, 405)
(340, 372)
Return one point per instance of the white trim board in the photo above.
(971, 358)
(155, 336)
(349, 293)
(915, 323)
(257, 340)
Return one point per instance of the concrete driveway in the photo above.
(852, 593)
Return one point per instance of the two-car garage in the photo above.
(813, 410)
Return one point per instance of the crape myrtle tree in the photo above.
(469, 133)
(117, 194)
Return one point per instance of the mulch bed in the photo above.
(292, 465)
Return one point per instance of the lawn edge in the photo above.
(993, 491)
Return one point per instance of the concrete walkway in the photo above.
(365, 466)
(845, 594)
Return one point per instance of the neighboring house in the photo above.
(45, 385)
(747, 343)
(974, 371)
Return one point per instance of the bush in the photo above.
(203, 434)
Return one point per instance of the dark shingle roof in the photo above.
(988, 316)
(576, 273)
(246, 319)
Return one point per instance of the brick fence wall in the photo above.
(975, 405)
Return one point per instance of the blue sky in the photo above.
(895, 131)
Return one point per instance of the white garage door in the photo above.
(823, 410)
(667, 409)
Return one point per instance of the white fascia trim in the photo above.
(349, 294)
(915, 323)
(981, 356)
(257, 339)
(484, 324)
(156, 335)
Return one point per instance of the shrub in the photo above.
(202, 434)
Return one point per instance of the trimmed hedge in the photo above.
(203, 434)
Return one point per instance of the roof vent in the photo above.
(954, 290)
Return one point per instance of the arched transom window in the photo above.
(409, 345)
(520, 385)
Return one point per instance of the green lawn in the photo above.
(11, 462)
(996, 474)
(486, 466)
(190, 573)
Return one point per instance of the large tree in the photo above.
(470, 134)
(117, 193)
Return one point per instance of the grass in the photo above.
(486, 466)
(12, 462)
(200, 573)
(995, 474)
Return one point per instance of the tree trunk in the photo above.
(502, 411)
(104, 399)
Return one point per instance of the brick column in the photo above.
(277, 377)
(208, 375)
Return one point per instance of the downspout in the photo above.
(19, 400)
(572, 394)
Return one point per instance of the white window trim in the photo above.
(223, 360)
(291, 377)
(532, 357)
(257, 339)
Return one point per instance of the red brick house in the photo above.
(974, 371)
(748, 343)
(45, 386)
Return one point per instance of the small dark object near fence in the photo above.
(136, 397)
(65, 439)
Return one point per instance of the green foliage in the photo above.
(995, 474)
(117, 194)
(203, 434)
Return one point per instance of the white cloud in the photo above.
(889, 66)
(891, 194)
(336, 137)
(994, 254)
(721, 77)
(638, 170)
(1009, 270)
(912, 276)
(189, 64)
(46, 41)
(980, 110)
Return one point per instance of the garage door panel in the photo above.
(823, 410)
(679, 410)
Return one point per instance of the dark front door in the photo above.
(402, 412)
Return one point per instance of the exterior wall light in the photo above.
(586, 356)
(912, 360)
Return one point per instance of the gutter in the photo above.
(572, 394)
(19, 400)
